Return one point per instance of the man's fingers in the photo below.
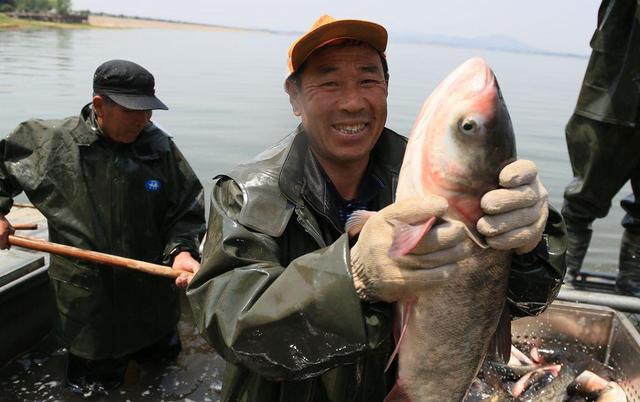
(508, 199)
(187, 267)
(195, 268)
(185, 262)
(440, 237)
(523, 239)
(183, 280)
(438, 258)
(518, 173)
(415, 210)
(493, 225)
(5, 230)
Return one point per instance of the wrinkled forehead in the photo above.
(344, 51)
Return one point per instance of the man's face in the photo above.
(118, 123)
(342, 100)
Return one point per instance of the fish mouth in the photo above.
(350, 129)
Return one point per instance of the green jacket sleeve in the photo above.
(536, 277)
(286, 323)
(185, 222)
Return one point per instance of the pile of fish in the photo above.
(546, 375)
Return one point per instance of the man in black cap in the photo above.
(111, 181)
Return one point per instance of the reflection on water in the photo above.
(195, 375)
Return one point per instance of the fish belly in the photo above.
(449, 330)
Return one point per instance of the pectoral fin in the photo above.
(356, 221)
(477, 239)
(403, 311)
(406, 237)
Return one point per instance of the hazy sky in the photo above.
(558, 25)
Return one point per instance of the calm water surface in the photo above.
(225, 91)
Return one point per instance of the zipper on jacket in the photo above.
(304, 221)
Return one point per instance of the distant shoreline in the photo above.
(122, 22)
(110, 21)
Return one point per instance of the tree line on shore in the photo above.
(62, 7)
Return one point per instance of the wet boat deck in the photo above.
(196, 375)
(38, 373)
(17, 262)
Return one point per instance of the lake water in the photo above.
(227, 101)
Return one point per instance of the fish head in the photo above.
(460, 141)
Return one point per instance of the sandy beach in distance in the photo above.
(103, 21)
(117, 22)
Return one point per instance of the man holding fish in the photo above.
(303, 310)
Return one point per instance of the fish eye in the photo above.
(468, 126)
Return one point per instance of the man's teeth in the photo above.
(350, 128)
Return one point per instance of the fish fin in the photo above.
(500, 345)
(397, 394)
(407, 307)
(477, 239)
(356, 221)
(406, 237)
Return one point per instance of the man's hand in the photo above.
(185, 262)
(516, 214)
(5, 230)
(380, 277)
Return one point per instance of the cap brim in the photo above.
(138, 102)
(365, 31)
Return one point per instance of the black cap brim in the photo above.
(138, 102)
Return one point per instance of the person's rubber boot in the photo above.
(578, 240)
(628, 281)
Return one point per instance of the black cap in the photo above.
(128, 84)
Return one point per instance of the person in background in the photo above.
(277, 295)
(603, 138)
(109, 180)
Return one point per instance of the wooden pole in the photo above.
(94, 256)
(25, 226)
(18, 205)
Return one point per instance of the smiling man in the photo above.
(109, 180)
(278, 295)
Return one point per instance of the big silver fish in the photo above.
(459, 143)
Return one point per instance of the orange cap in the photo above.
(327, 29)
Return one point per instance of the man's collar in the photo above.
(320, 191)
(292, 172)
(87, 131)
